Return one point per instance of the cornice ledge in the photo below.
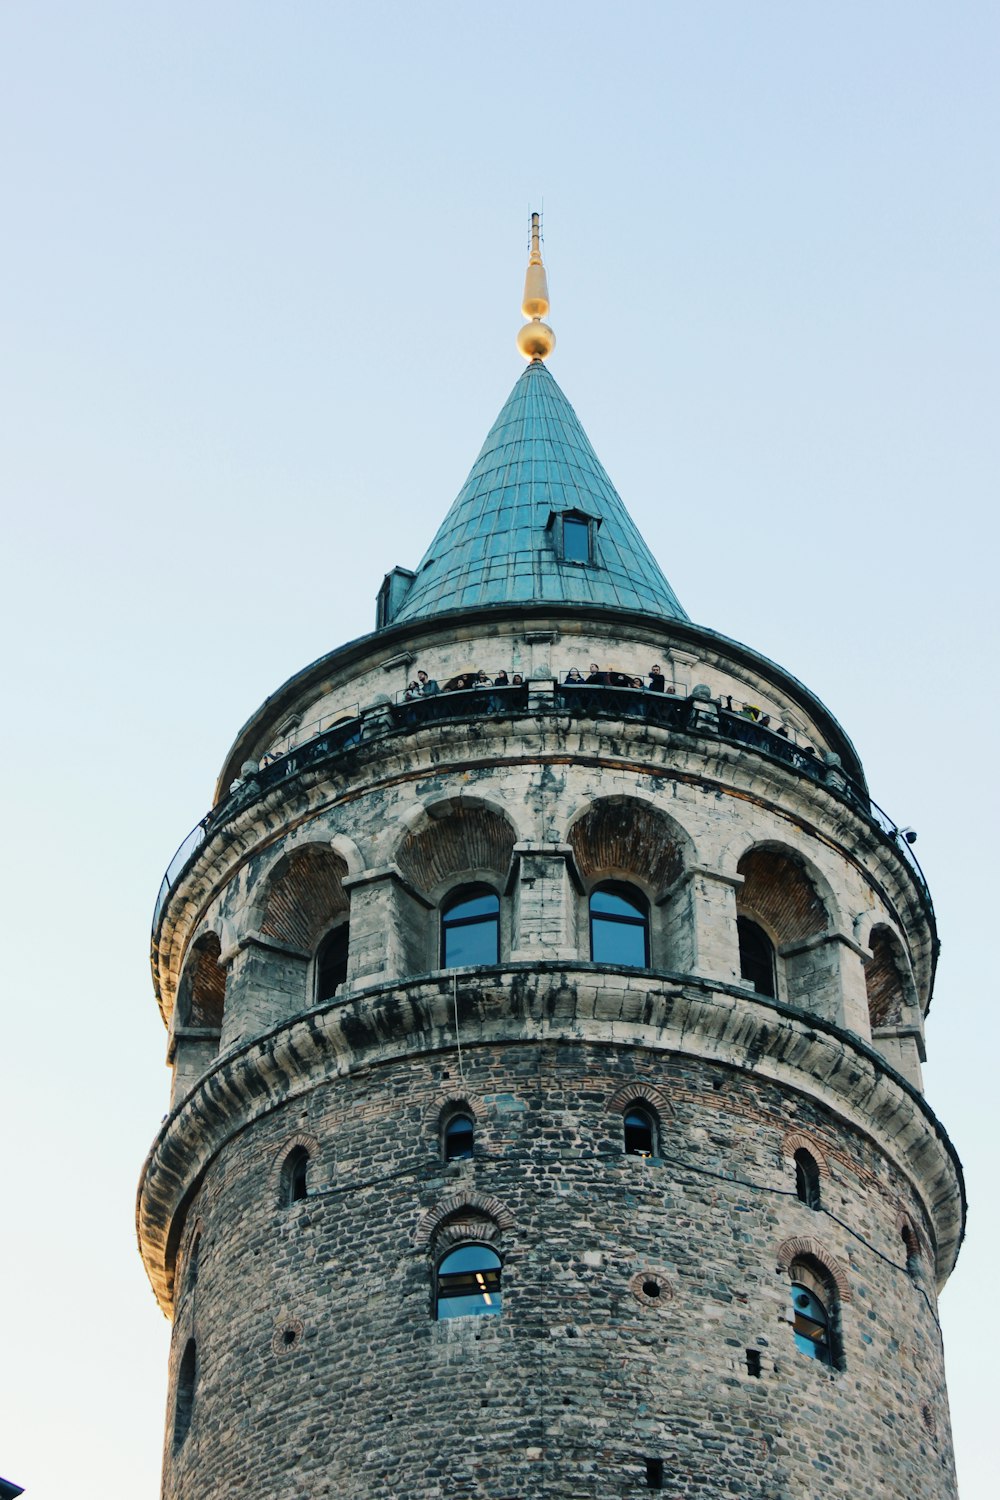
(518, 1003)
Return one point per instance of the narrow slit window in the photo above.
(331, 963)
(459, 1137)
(807, 1178)
(756, 957)
(640, 1133)
(184, 1397)
(468, 1283)
(654, 1473)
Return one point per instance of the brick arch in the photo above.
(629, 836)
(905, 1223)
(780, 892)
(456, 838)
(638, 1091)
(201, 996)
(452, 1099)
(303, 895)
(805, 1247)
(797, 1140)
(308, 1143)
(462, 1211)
(885, 980)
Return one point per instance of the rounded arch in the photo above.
(346, 849)
(456, 839)
(301, 897)
(629, 838)
(888, 981)
(806, 1248)
(797, 1140)
(784, 893)
(201, 994)
(639, 1091)
(463, 1216)
(294, 1146)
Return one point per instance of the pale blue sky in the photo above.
(259, 283)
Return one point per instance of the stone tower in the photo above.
(547, 1115)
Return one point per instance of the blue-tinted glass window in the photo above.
(811, 1323)
(619, 927)
(470, 928)
(459, 1136)
(576, 540)
(468, 1282)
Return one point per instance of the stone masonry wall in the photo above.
(322, 1372)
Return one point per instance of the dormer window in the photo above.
(576, 539)
(574, 534)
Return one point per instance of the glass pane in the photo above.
(638, 1133)
(469, 1283)
(477, 942)
(812, 1334)
(616, 905)
(473, 906)
(618, 943)
(576, 540)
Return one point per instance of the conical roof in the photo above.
(501, 541)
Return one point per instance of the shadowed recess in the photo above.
(304, 894)
(621, 837)
(464, 841)
(884, 981)
(778, 891)
(203, 988)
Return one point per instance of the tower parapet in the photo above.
(547, 1114)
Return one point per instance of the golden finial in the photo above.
(536, 339)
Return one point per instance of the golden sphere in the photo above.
(536, 340)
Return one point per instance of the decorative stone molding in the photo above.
(642, 1283)
(639, 1090)
(286, 1337)
(806, 1246)
(480, 1207)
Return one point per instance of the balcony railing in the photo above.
(689, 715)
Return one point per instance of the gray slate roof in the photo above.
(496, 544)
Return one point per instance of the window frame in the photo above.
(489, 1289)
(632, 895)
(458, 896)
(745, 921)
(450, 1120)
(340, 931)
(652, 1125)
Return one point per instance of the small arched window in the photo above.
(470, 927)
(807, 1178)
(458, 1136)
(815, 1313)
(619, 926)
(640, 1131)
(468, 1282)
(331, 963)
(756, 957)
(184, 1397)
(911, 1245)
(294, 1177)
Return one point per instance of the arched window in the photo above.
(640, 1131)
(911, 1245)
(331, 963)
(619, 926)
(468, 1282)
(458, 1136)
(184, 1398)
(807, 1178)
(756, 957)
(294, 1184)
(814, 1313)
(470, 927)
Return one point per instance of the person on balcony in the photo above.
(657, 681)
(574, 676)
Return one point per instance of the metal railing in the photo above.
(578, 700)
